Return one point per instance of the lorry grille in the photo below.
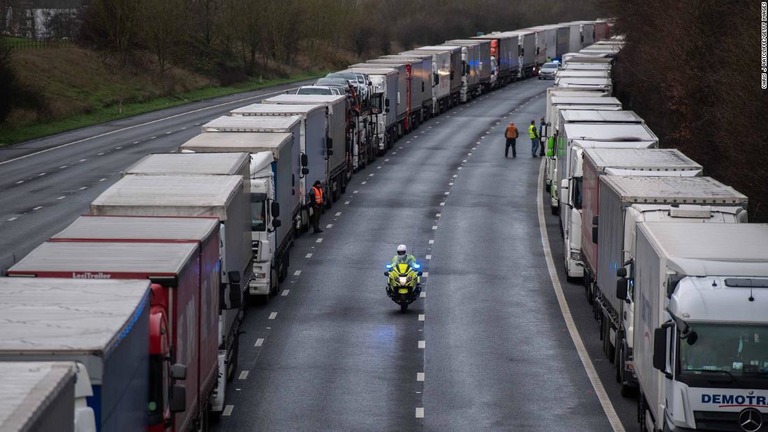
(722, 421)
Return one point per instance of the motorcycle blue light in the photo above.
(416, 266)
(389, 266)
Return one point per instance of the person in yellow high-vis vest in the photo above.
(533, 134)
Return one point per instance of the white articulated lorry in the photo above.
(404, 110)
(560, 99)
(456, 70)
(383, 95)
(270, 192)
(608, 239)
(339, 137)
(701, 331)
(613, 129)
(102, 325)
(312, 146)
(45, 396)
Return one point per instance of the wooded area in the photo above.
(691, 69)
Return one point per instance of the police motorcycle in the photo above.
(403, 283)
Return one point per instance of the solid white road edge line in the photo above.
(597, 385)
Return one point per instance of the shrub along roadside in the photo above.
(12, 136)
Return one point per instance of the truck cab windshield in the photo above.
(739, 350)
(258, 212)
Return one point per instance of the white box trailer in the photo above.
(404, 108)
(312, 143)
(586, 66)
(383, 105)
(631, 200)
(192, 164)
(586, 83)
(563, 40)
(609, 131)
(702, 328)
(478, 61)
(101, 324)
(583, 57)
(557, 100)
(587, 34)
(575, 37)
(270, 188)
(337, 140)
(583, 73)
(40, 396)
(441, 77)
(456, 68)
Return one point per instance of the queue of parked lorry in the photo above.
(673, 271)
(129, 318)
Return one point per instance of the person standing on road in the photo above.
(316, 198)
(542, 136)
(533, 134)
(511, 135)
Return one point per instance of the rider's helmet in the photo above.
(401, 250)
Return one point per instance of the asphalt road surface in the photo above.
(488, 347)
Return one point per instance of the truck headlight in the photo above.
(576, 255)
(260, 275)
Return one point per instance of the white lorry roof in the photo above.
(249, 142)
(608, 132)
(252, 124)
(582, 82)
(137, 227)
(585, 100)
(49, 315)
(304, 99)
(165, 192)
(644, 160)
(713, 249)
(101, 260)
(641, 144)
(439, 48)
(189, 163)
(260, 109)
(622, 116)
(372, 71)
(27, 389)
(674, 190)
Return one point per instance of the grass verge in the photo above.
(12, 136)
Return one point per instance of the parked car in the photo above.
(548, 70)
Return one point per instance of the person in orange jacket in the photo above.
(511, 135)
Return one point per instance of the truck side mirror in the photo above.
(304, 159)
(621, 289)
(436, 78)
(276, 223)
(595, 220)
(329, 146)
(386, 102)
(178, 402)
(621, 272)
(275, 209)
(423, 87)
(660, 349)
(304, 171)
(451, 75)
(179, 371)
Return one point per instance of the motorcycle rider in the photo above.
(403, 257)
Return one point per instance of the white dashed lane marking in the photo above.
(243, 375)
(422, 344)
(61, 197)
(297, 272)
(309, 255)
(421, 317)
(273, 315)
(228, 410)
(285, 293)
(420, 376)
(259, 342)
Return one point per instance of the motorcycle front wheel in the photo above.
(403, 307)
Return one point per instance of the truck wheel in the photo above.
(343, 185)
(274, 286)
(618, 363)
(555, 210)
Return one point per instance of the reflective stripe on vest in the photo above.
(532, 131)
(318, 195)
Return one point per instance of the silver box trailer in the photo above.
(575, 65)
(603, 84)
(575, 37)
(38, 396)
(102, 324)
(338, 118)
(505, 51)
(423, 67)
(526, 52)
(441, 71)
(456, 68)
(404, 104)
(563, 43)
(479, 62)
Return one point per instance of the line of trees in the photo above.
(692, 71)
